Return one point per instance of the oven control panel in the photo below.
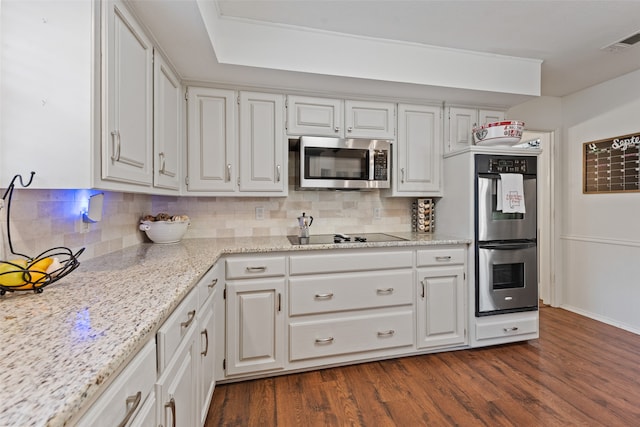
(506, 164)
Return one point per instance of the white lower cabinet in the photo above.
(129, 398)
(255, 326)
(176, 388)
(441, 297)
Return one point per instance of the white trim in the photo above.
(601, 241)
(602, 319)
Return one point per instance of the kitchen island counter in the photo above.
(62, 347)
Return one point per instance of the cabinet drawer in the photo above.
(208, 283)
(128, 392)
(171, 333)
(350, 335)
(363, 261)
(327, 293)
(244, 268)
(440, 256)
(506, 328)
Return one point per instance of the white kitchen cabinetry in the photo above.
(178, 357)
(417, 156)
(211, 140)
(263, 146)
(254, 295)
(460, 122)
(207, 289)
(370, 119)
(231, 156)
(441, 298)
(324, 117)
(167, 121)
(129, 399)
(127, 98)
(361, 303)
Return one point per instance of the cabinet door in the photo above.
(417, 151)
(207, 382)
(177, 387)
(167, 125)
(255, 326)
(211, 140)
(489, 116)
(314, 116)
(460, 125)
(441, 308)
(370, 119)
(127, 136)
(262, 142)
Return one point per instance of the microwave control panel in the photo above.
(380, 165)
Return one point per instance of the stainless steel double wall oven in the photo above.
(506, 251)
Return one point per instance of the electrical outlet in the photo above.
(82, 227)
(259, 213)
(376, 213)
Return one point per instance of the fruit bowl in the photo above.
(165, 231)
(505, 133)
(33, 274)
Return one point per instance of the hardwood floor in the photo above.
(579, 373)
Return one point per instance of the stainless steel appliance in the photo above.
(506, 251)
(324, 239)
(338, 163)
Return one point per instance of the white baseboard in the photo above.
(602, 319)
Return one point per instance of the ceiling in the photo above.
(568, 36)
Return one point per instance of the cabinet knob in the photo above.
(336, 129)
(349, 129)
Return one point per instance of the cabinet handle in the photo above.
(384, 291)
(422, 284)
(388, 333)
(162, 162)
(132, 403)
(443, 258)
(278, 173)
(172, 406)
(115, 137)
(192, 315)
(212, 284)
(402, 175)
(349, 129)
(513, 329)
(206, 347)
(229, 172)
(324, 296)
(279, 302)
(260, 269)
(336, 129)
(328, 340)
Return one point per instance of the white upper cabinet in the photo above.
(314, 116)
(417, 154)
(460, 123)
(263, 145)
(167, 125)
(325, 117)
(127, 98)
(236, 143)
(370, 119)
(211, 140)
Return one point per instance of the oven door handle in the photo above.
(507, 246)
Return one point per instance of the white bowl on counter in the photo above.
(503, 133)
(164, 231)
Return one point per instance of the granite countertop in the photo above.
(60, 347)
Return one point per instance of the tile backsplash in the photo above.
(42, 219)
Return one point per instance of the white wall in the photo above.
(598, 235)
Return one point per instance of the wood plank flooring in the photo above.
(579, 373)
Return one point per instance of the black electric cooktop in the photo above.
(325, 239)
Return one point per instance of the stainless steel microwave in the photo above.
(339, 163)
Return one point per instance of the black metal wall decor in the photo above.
(612, 165)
